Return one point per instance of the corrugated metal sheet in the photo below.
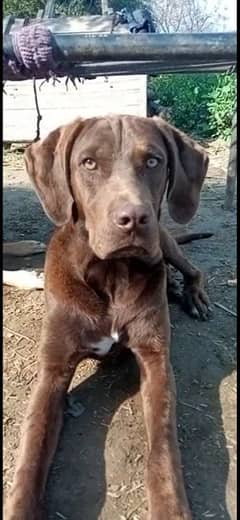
(120, 94)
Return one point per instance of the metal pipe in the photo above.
(122, 68)
(90, 55)
(125, 68)
(78, 47)
(145, 67)
(202, 47)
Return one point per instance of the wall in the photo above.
(120, 94)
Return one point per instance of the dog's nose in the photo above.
(129, 217)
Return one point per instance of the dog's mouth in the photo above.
(132, 246)
(128, 251)
(137, 252)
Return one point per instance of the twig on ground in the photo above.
(18, 334)
(225, 309)
(190, 406)
(29, 366)
(135, 508)
(60, 515)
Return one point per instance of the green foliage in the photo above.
(117, 5)
(200, 104)
(78, 7)
(67, 7)
(30, 8)
(221, 103)
(23, 8)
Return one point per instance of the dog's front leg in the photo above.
(195, 299)
(58, 360)
(165, 486)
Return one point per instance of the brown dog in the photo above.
(102, 181)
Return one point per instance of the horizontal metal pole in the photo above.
(145, 67)
(101, 55)
(102, 47)
(127, 68)
(78, 47)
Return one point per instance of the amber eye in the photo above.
(152, 162)
(90, 164)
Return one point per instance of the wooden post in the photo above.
(232, 166)
(7, 23)
(49, 9)
(104, 6)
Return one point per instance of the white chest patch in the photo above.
(102, 347)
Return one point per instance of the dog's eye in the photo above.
(89, 163)
(152, 162)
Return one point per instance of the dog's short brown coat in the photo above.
(106, 278)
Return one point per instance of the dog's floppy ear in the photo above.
(187, 166)
(47, 163)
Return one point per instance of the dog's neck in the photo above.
(116, 290)
(111, 276)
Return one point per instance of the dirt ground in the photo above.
(98, 470)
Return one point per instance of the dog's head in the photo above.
(111, 173)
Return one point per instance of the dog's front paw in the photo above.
(195, 299)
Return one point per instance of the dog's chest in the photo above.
(123, 284)
(104, 345)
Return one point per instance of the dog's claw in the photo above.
(194, 312)
(196, 303)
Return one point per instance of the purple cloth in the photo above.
(33, 47)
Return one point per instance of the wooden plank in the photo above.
(232, 167)
(83, 24)
(121, 94)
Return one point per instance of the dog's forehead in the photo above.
(119, 132)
